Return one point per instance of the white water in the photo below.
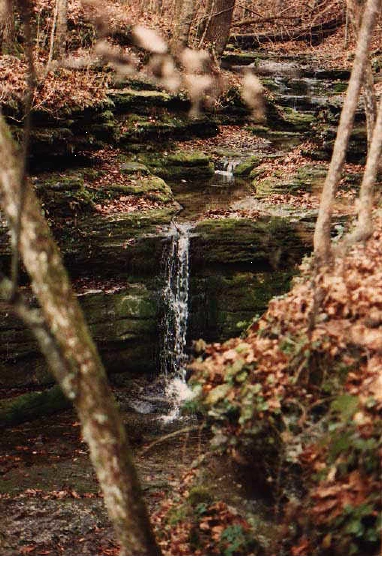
(175, 294)
(227, 169)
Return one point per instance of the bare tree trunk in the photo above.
(59, 31)
(364, 227)
(204, 21)
(322, 245)
(184, 19)
(355, 9)
(74, 361)
(7, 27)
(219, 25)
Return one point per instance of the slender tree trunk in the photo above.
(74, 361)
(355, 9)
(219, 26)
(322, 245)
(184, 19)
(364, 226)
(59, 31)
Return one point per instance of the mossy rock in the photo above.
(31, 406)
(122, 244)
(339, 87)
(267, 243)
(150, 187)
(131, 100)
(245, 168)
(123, 315)
(123, 322)
(307, 179)
(64, 196)
(181, 165)
(175, 128)
(325, 135)
(238, 58)
(134, 168)
(106, 132)
(222, 305)
(298, 121)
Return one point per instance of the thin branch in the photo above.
(169, 436)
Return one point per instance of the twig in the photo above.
(168, 436)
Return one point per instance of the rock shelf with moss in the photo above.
(264, 244)
(180, 165)
(123, 322)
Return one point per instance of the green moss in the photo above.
(271, 242)
(199, 494)
(32, 405)
(136, 168)
(165, 128)
(151, 187)
(245, 168)
(128, 99)
(180, 165)
(307, 179)
(339, 87)
(221, 305)
(65, 195)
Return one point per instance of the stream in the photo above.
(149, 288)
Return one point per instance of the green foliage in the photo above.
(235, 541)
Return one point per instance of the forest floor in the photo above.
(50, 502)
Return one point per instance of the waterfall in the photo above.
(226, 169)
(175, 296)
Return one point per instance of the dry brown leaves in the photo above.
(175, 537)
(349, 315)
(126, 204)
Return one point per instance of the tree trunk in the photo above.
(364, 226)
(355, 9)
(7, 27)
(219, 25)
(183, 25)
(73, 359)
(322, 245)
(59, 31)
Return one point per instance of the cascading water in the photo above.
(227, 168)
(175, 295)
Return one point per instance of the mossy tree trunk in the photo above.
(73, 359)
